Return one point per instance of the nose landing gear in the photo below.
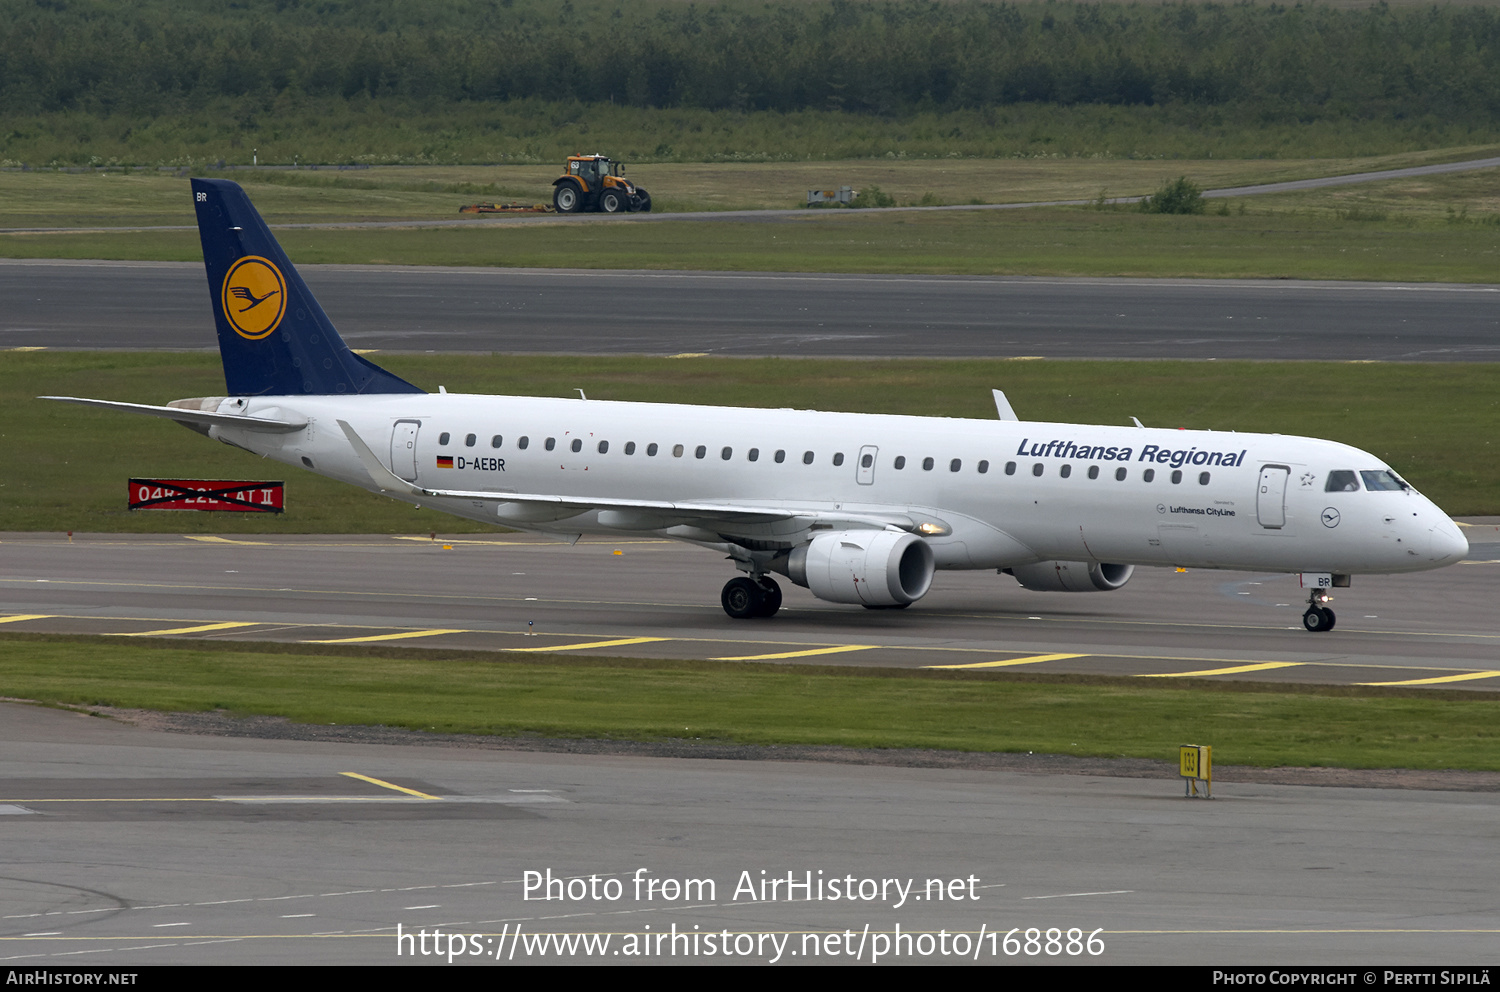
(744, 598)
(1318, 618)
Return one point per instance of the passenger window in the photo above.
(677, 451)
(577, 444)
(1149, 475)
(443, 438)
(1065, 471)
(984, 467)
(1093, 471)
(630, 447)
(753, 454)
(1342, 482)
(651, 450)
(780, 456)
(955, 465)
(727, 454)
(1119, 475)
(495, 441)
(927, 464)
(550, 443)
(469, 441)
(1202, 478)
(603, 447)
(1037, 469)
(1176, 476)
(867, 460)
(900, 462)
(700, 451)
(807, 457)
(838, 459)
(523, 442)
(1010, 468)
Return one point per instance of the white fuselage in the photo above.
(1012, 492)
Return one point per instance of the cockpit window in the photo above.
(1384, 481)
(1342, 482)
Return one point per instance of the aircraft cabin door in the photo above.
(1270, 496)
(865, 472)
(404, 449)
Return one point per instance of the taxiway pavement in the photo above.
(658, 599)
(165, 306)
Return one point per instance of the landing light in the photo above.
(933, 528)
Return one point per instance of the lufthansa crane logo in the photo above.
(254, 297)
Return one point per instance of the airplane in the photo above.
(857, 508)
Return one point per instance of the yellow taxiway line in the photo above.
(388, 637)
(1236, 670)
(1465, 677)
(841, 649)
(1033, 660)
(227, 625)
(388, 785)
(621, 642)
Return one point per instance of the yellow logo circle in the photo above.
(254, 297)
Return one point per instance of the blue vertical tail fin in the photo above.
(273, 337)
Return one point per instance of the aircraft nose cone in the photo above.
(1448, 543)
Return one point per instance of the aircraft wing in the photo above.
(716, 513)
(201, 418)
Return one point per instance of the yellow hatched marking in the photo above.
(26, 616)
(192, 630)
(1465, 677)
(388, 637)
(621, 642)
(1262, 667)
(1034, 659)
(389, 785)
(801, 654)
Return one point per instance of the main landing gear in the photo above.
(1318, 617)
(744, 597)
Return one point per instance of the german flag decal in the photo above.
(445, 461)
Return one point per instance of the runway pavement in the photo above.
(122, 847)
(158, 305)
(656, 599)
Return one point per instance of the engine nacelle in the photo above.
(869, 567)
(1072, 576)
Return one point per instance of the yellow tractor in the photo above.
(593, 182)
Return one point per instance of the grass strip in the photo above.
(1055, 241)
(1433, 422)
(627, 699)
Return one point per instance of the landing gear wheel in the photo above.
(743, 598)
(1318, 619)
(566, 199)
(772, 601)
(612, 201)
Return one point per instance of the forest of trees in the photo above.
(878, 56)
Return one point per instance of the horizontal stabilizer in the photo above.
(201, 418)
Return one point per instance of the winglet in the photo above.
(1002, 406)
(386, 480)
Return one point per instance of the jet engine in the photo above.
(1071, 576)
(870, 567)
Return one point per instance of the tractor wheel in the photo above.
(644, 200)
(567, 199)
(613, 201)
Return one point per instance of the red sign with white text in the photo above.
(206, 494)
